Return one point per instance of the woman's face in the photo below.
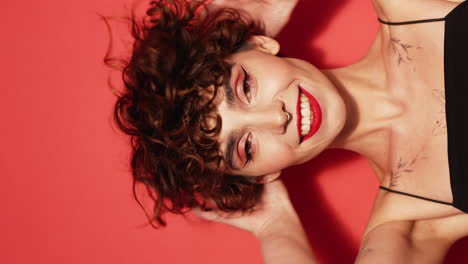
(262, 125)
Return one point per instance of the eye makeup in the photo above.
(245, 90)
(241, 145)
(246, 148)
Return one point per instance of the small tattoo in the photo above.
(401, 168)
(440, 126)
(397, 172)
(402, 51)
(365, 249)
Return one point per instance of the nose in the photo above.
(273, 117)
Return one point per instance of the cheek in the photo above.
(276, 157)
(278, 76)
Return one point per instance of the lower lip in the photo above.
(316, 115)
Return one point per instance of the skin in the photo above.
(388, 107)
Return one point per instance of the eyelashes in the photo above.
(246, 87)
(248, 149)
(247, 93)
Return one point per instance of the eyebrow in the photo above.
(228, 91)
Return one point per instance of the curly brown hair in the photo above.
(168, 107)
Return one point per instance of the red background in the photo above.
(66, 191)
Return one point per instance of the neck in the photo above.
(370, 108)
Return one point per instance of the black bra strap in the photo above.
(415, 196)
(410, 22)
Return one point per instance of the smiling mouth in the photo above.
(309, 115)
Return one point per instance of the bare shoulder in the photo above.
(447, 229)
(393, 237)
(404, 242)
(422, 241)
(406, 10)
(431, 239)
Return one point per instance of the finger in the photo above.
(237, 219)
(216, 215)
(208, 215)
(240, 221)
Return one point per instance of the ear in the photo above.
(269, 177)
(265, 44)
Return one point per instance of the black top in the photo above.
(456, 97)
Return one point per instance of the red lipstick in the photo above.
(316, 115)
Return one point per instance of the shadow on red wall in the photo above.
(309, 20)
(328, 236)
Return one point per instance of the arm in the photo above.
(273, 13)
(274, 223)
(286, 243)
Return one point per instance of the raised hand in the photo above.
(274, 223)
(273, 211)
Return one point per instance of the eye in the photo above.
(246, 88)
(248, 149)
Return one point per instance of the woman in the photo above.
(211, 108)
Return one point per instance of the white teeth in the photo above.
(305, 112)
(306, 115)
